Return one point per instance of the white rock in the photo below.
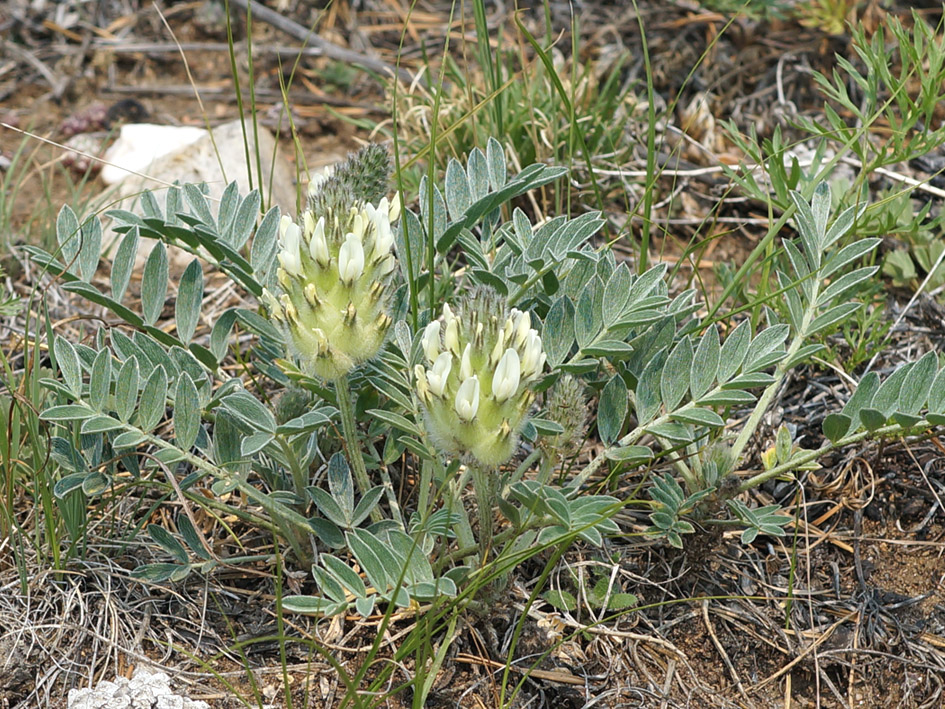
(140, 144)
(216, 163)
(145, 690)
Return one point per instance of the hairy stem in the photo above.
(349, 429)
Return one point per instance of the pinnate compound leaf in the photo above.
(154, 284)
(612, 409)
(674, 380)
(189, 300)
(705, 363)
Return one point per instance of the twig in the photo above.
(721, 650)
(311, 39)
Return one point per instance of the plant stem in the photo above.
(812, 455)
(463, 530)
(484, 485)
(349, 430)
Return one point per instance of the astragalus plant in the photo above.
(456, 347)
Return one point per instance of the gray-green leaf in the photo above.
(705, 363)
(154, 284)
(186, 412)
(675, 377)
(612, 409)
(153, 400)
(189, 299)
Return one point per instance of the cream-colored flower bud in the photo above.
(522, 329)
(350, 260)
(423, 386)
(533, 357)
(451, 336)
(383, 238)
(465, 365)
(359, 225)
(499, 348)
(308, 222)
(318, 245)
(272, 304)
(431, 340)
(289, 257)
(507, 376)
(439, 375)
(467, 399)
(393, 213)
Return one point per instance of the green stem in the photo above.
(484, 485)
(465, 549)
(298, 476)
(809, 456)
(349, 430)
(463, 530)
